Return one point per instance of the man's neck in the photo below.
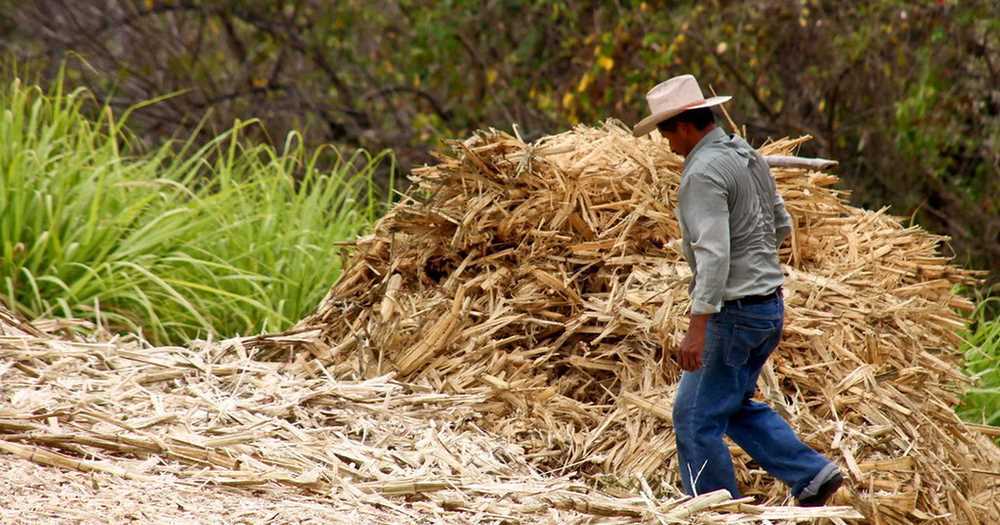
(704, 133)
(699, 139)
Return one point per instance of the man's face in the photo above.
(681, 136)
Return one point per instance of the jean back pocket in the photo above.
(740, 340)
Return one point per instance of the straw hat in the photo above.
(672, 97)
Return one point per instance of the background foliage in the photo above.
(904, 94)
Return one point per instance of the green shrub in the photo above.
(178, 242)
(982, 358)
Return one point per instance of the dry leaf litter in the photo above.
(211, 433)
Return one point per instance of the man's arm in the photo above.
(705, 211)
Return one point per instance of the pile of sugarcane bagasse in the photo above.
(548, 276)
(492, 353)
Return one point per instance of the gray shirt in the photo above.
(732, 220)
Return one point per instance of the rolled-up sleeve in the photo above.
(705, 212)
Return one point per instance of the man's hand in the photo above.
(693, 343)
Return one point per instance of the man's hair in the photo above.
(700, 118)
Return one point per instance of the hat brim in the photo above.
(649, 123)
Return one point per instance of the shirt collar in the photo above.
(716, 134)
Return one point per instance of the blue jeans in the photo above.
(716, 400)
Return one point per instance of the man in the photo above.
(732, 220)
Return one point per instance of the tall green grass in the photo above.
(178, 242)
(982, 358)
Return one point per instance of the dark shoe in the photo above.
(824, 493)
